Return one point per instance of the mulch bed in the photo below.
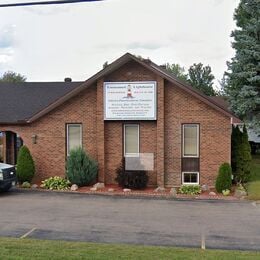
(148, 192)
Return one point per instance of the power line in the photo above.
(55, 2)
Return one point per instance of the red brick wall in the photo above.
(114, 129)
(215, 133)
(49, 151)
(104, 140)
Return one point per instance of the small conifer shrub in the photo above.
(224, 179)
(25, 165)
(81, 169)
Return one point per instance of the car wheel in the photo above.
(5, 188)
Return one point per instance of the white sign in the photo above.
(130, 100)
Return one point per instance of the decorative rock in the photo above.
(173, 192)
(110, 190)
(159, 189)
(205, 187)
(74, 187)
(34, 186)
(212, 193)
(93, 189)
(240, 193)
(99, 185)
(126, 190)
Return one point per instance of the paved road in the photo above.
(226, 225)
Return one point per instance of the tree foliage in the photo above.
(12, 77)
(177, 70)
(236, 140)
(25, 165)
(240, 155)
(243, 86)
(224, 181)
(201, 78)
(81, 169)
(244, 159)
(198, 76)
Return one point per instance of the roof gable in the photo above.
(111, 68)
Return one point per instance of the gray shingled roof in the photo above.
(20, 101)
(26, 102)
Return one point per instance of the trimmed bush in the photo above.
(131, 179)
(55, 183)
(81, 169)
(224, 180)
(190, 189)
(25, 165)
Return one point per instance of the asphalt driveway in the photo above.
(44, 215)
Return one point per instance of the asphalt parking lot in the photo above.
(80, 217)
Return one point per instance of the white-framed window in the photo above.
(131, 140)
(190, 140)
(191, 178)
(74, 136)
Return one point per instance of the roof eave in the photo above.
(19, 122)
(115, 65)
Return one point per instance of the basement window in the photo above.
(190, 178)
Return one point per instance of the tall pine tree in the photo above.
(243, 86)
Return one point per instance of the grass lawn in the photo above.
(13, 248)
(254, 185)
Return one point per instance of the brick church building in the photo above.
(131, 107)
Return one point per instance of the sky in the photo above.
(49, 43)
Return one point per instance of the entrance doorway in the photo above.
(10, 144)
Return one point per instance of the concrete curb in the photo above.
(128, 196)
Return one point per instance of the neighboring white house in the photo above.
(253, 136)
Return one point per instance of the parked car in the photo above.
(7, 176)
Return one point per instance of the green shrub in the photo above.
(25, 165)
(236, 140)
(131, 179)
(81, 169)
(224, 180)
(244, 158)
(190, 189)
(55, 183)
(240, 155)
(26, 184)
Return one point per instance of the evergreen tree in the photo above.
(235, 142)
(243, 163)
(224, 181)
(25, 165)
(81, 168)
(201, 78)
(243, 86)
